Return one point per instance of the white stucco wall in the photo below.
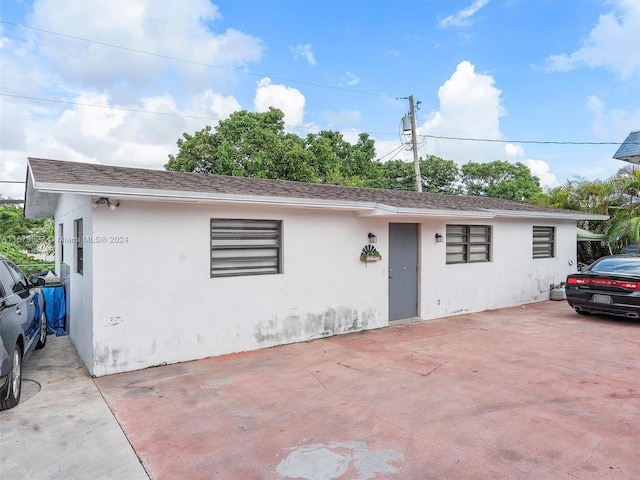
(80, 288)
(513, 277)
(146, 296)
(154, 300)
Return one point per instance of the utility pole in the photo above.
(414, 144)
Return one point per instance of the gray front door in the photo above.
(403, 270)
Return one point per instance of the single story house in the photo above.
(164, 267)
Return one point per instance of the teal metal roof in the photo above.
(629, 151)
(587, 236)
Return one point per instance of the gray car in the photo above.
(23, 328)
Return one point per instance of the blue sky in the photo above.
(510, 70)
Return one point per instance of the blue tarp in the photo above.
(55, 308)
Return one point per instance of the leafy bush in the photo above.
(28, 264)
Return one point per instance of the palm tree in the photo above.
(624, 228)
(558, 197)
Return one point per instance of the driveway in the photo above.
(533, 392)
(62, 429)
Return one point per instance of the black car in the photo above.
(23, 328)
(610, 285)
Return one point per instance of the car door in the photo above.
(25, 307)
(9, 326)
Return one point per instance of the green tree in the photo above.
(337, 161)
(624, 225)
(398, 175)
(21, 239)
(256, 145)
(439, 176)
(618, 197)
(246, 144)
(561, 196)
(500, 179)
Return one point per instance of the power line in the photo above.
(135, 110)
(543, 142)
(392, 153)
(192, 62)
(436, 137)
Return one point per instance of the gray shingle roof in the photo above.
(629, 151)
(56, 172)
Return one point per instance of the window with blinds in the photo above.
(543, 242)
(245, 247)
(468, 243)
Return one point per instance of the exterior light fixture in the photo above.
(372, 238)
(107, 202)
(439, 238)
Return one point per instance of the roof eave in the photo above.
(41, 201)
(382, 210)
(37, 204)
(631, 159)
(196, 197)
(549, 215)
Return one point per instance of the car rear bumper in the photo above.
(621, 310)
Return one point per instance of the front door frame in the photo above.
(408, 314)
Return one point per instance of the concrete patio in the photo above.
(519, 393)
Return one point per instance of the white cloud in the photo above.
(211, 104)
(612, 44)
(470, 107)
(71, 70)
(287, 99)
(12, 169)
(463, 17)
(540, 169)
(349, 80)
(611, 124)
(171, 31)
(344, 117)
(118, 137)
(514, 150)
(351, 135)
(391, 150)
(305, 52)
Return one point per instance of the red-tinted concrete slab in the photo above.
(535, 392)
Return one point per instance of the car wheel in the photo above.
(583, 312)
(10, 394)
(42, 340)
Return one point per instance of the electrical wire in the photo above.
(169, 57)
(540, 142)
(393, 153)
(134, 110)
(108, 107)
(192, 62)
(307, 129)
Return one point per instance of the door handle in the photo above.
(18, 311)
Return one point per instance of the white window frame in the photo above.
(241, 247)
(543, 241)
(468, 243)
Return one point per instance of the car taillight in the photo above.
(604, 282)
